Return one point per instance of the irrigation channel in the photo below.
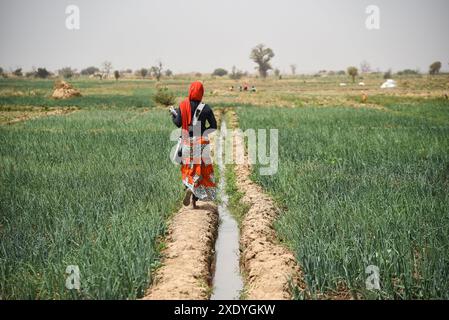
(227, 280)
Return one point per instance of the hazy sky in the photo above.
(200, 35)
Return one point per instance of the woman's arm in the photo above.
(177, 120)
(210, 117)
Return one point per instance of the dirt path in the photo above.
(269, 266)
(186, 272)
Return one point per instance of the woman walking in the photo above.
(196, 167)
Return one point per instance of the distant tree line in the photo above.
(260, 55)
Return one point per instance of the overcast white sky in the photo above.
(201, 35)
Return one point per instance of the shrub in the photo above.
(407, 72)
(66, 72)
(235, 74)
(42, 73)
(18, 72)
(89, 71)
(164, 97)
(30, 74)
(220, 72)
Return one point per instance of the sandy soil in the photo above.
(186, 271)
(268, 265)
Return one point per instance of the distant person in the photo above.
(364, 97)
(231, 88)
(240, 88)
(197, 169)
(253, 89)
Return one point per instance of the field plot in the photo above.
(93, 189)
(361, 187)
(36, 93)
(87, 181)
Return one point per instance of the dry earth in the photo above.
(24, 116)
(186, 270)
(270, 267)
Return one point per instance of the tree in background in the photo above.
(365, 67)
(66, 72)
(353, 72)
(89, 71)
(235, 74)
(277, 72)
(116, 75)
(435, 67)
(1, 71)
(293, 69)
(220, 72)
(168, 73)
(156, 71)
(142, 72)
(18, 72)
(107, 67)
(42, 73)
(387, 75)
(262, 56)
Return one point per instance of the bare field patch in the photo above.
(17, 115)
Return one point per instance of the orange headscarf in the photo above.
(196, 92)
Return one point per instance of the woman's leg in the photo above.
(194, 200)
(187, 197)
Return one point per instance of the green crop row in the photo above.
(91, 189)
(361, 187)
